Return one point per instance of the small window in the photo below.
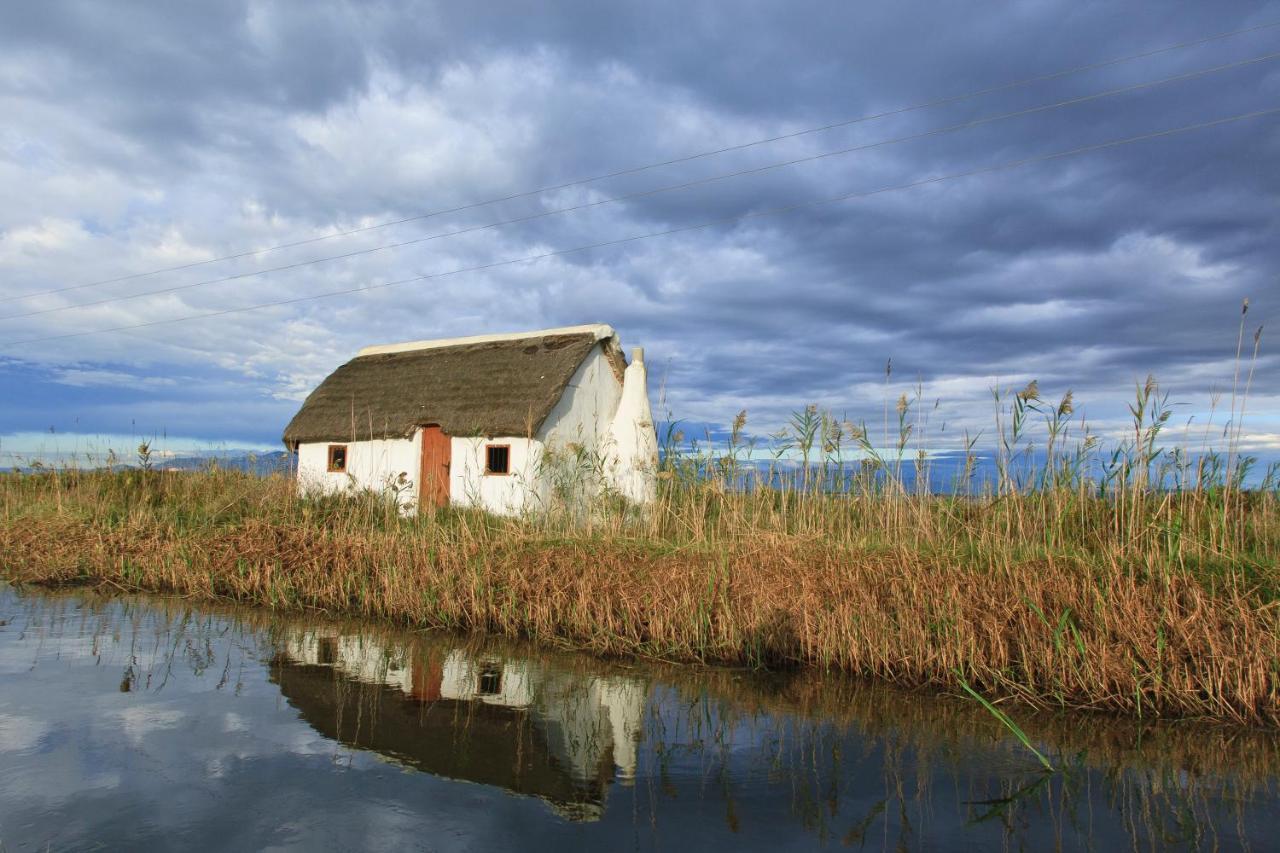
(489, 682)
(497, 459)
(337, 458)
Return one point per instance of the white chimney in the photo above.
(635, 439)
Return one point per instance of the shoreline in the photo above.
(1044, 630)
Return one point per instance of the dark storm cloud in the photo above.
(146, 134)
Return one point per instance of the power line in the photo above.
(1028, 81)
(651, 192)
(1011, 164)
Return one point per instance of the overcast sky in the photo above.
(137, 136)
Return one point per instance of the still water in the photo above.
(145, 724)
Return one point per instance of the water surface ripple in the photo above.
(149, 723)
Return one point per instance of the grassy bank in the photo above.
(1143, 601)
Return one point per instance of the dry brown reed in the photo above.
(1217, 755)
(916, 590)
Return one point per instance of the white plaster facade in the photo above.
(584, 719)
(370, 465)
(504, 494)
(598, 436)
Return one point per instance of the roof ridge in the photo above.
(601, 331)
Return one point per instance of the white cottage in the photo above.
(496, 720)
(501, 422)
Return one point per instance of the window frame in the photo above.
(327, 651)
(489, 679)
(334, 469)
(492, 446)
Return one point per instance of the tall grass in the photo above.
(1125, 575)
(1055, 488)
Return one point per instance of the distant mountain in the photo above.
(235, 459)
(262, 464)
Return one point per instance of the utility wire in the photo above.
(1010, 164)
(656, 191)
(1028, 81)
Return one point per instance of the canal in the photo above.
(149, 723)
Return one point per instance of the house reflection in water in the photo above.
(512, 723)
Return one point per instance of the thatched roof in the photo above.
(489, 385)
(472, 741)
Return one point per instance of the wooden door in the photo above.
(433, 480)
(427, 678)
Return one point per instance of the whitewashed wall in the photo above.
(461, 680)
(581, 419)
(370, 465)
(585, 410)
(581, 720)
(360, 657)
(505, 494)
(374, 464)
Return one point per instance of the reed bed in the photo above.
(1172, 781)
(1116, 575)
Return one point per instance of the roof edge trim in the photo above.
(601, 331)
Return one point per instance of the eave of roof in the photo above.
(601, 331)
(479, 385)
